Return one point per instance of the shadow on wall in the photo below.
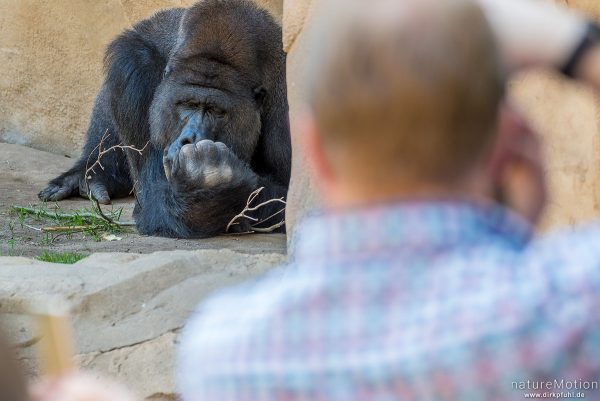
(51, 54)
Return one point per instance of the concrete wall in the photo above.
(51, 64)
(566, 114)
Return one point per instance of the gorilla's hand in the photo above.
(204, 165)
(73, 183)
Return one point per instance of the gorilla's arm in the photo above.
(134, 64)
(134, 69)
(113, 180)
(209, 185)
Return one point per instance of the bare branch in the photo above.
(98, 163)
(33, 228)
(269, 229)
(249, 208)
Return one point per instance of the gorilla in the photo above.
(197, 99)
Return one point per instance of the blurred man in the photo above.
(413, 284)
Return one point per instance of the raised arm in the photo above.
(539, 34)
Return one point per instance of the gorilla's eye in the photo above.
(216, 111)
(188, 105)
(186, 114)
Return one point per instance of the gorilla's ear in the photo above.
(259, 95)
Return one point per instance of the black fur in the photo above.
(205, 76)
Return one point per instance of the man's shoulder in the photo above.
(235, 302)
(576, 244)
(565, 258)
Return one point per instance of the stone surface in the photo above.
(51, 56)
(566, 115)
(295, 15)
(127, 309)
(25, 171)
(297, 19)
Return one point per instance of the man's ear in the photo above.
(517, 166)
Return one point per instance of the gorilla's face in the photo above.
(203, 99)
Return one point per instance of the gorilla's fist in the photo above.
(206, 164)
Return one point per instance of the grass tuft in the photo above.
(67, 258)
(88, 222)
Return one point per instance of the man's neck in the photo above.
(359, 196)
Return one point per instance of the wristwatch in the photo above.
(589, 40)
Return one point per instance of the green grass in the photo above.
(53, 224)
(85, 216)
(67, 258)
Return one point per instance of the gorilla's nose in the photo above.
(187, 137)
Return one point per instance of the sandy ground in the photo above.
(25, 171)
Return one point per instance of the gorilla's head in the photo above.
(213, 86)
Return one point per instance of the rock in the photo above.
(127, 309)
(295, 15)
(302, 194)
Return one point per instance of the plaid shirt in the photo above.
(414, 301)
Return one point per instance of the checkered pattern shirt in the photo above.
(414, 301)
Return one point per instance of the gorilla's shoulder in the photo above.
(160, 30)
(160, 20)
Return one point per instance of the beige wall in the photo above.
(51, 64)
(568, 116)
(565, 114)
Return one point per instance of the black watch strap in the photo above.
(590, 39)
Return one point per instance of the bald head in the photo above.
(406, 89)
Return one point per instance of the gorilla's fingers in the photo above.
(167, 165)
(208, 149)
(222, 147)
(98, 191)
(187, 160)
(60, 188)
(55, 193)
(174, 164)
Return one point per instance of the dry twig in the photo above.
(249, 208)
(98, 163)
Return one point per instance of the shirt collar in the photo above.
(406, 225)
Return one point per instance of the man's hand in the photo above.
(79, 387)
(534, 32)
